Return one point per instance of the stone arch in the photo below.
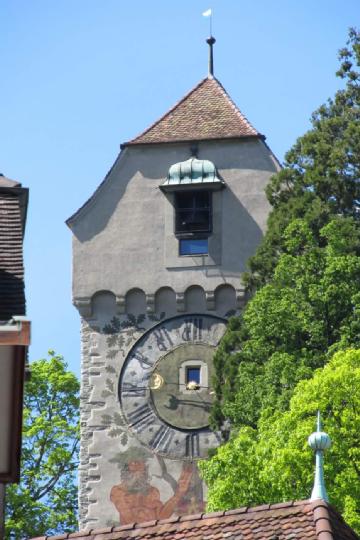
(225, 299)
(135, 302)
(165, 301)
(195, 299)
(103, 304)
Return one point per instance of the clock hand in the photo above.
(175, 402)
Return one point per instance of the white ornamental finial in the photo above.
(319, 441)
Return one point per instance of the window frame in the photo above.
(204, 375)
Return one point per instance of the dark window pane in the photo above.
(193, 374)
(193, 221)
(193, 211)
(193, 199)
(202, 199)
(192, 246)
(185, 200)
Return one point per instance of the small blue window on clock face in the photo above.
(192, 246)
(193, 374)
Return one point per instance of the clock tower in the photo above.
(158, 253)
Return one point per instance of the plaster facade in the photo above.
(129, 280)
(124, 237)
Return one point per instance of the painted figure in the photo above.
(136, 500)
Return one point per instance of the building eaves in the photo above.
(88, 202)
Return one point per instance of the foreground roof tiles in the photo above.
(302, 520)
(206, 112)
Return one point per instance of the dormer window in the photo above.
(193, 223)
(192, 183)
(192, 174)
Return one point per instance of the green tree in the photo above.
(310, 309)
(45, 500)
(274, 463)
(320, 177)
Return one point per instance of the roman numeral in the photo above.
(193, 329)
(162, 439)
(145, 363)
(192, 446)
(141, 418)
(163, 339)
(132, 390)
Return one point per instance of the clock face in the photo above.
(164, 386)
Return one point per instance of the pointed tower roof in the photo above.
(206, 112)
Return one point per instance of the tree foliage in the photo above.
(293, 324)
(320, 177)
(45, 501)
(274, 463)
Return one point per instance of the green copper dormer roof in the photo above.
(191, 173)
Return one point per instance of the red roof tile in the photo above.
(206, 112)
(295, 520)
(13, 204)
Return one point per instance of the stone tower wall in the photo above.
(127, 278)
(107, 336)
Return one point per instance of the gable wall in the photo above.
(124, 237)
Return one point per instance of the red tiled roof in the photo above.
(302, 520)
(206, 112)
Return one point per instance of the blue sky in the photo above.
(81, 76)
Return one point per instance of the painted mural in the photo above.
(142, 484)
(136, 499)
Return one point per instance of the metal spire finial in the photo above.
(319, 441)
(211, 40)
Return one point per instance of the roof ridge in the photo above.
(324, 514)
(236, 108)
(322, 520)
(169, 111)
